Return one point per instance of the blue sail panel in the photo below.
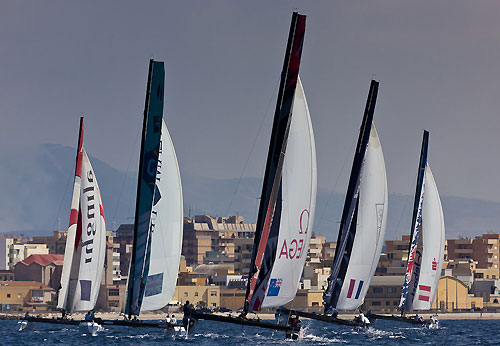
(148, 165)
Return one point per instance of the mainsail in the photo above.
(166, 236)
(297, 206)
(86, 240)
(269, 218)
(424, 265)
(363, 222)
(159, 215)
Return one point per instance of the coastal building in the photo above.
(46, 269)
(29, 296)
(204, 296)
(452, 294)
(56, 243)
(19, 252)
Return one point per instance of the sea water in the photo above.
(450, 332)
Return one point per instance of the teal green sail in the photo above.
(148, 164)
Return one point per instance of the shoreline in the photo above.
(157, 316)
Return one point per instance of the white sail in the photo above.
(70, 269)
(166, 238)
(93, 241)
(433, 240)
(298, 204)
(370, 231)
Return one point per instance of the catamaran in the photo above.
(158, 222)
(362, 227)
(286, 212)
(85, 249)
(426, 248)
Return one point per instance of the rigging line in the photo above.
(252, 146)
(336, 182)
(68, 180)
(125, 175)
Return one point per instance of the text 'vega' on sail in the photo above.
(350, 215)
(148, 164)
(72, 240)
(298, 200)
(416, 224)
(166, 236)
(266, 235)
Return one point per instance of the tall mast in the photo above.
(416, 222)
(348, 223)
(148, 162)
(262, 260)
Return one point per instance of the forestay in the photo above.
(166, 235)
(371, 224)
(297, 206)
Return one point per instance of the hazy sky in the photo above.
(438, 63)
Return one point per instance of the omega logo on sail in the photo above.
(87, 244)
(295, 249)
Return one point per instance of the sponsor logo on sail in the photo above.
(274, 287)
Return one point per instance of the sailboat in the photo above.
(158, 222)
(362, 227)
(286, 212)
(426, 248)
(85, 243)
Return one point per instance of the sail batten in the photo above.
(268, 222)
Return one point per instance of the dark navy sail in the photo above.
(412, 270)
(148, 164)
(348, 222)
(266, 235)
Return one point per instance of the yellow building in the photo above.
(453, 294)
(24, 296)
(209, 295)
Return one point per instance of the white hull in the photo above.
(24, 325)
(90, 328)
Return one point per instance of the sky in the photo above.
(437, 63)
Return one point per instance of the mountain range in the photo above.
(36, 185)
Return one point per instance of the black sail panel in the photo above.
(347, 231)
(267, 218)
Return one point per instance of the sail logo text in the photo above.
(295, 248)
(89, 193)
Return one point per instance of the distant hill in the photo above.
(36, 184)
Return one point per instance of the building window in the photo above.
(196, 294)
(214, 305)
(213, 293)
(19, 295)
(376, 303)
(185, 294)
(114, 292)
(387, 303)
(377, 290)
(8, 295)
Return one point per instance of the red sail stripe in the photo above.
(78, 234)
(73, 217)
(351, 288)
(424, 288)
(424, 298)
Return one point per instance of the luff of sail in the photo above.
(150, 144)
(416, 224)
(371, 221)
(298, 206)
(348, 223)
(92, 243)
(266, 235)
(71, 238)
(166, 239)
